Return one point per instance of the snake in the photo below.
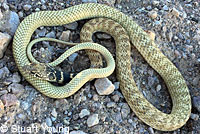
(134, 34)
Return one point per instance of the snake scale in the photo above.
(142, 108)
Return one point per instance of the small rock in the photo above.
(125, 110)
(5, 6)
(104, 86)
(1, 108)
(103, 36)
(72, 57)
(116, 84)
(27, 7)
(48, 122)
(155, 3)
(4, 72)
(118, 117)
(177, 54)
(89, 1)
(10, 23)
(194, 116)
(71, 26)
(25, 105)
(196, 102)
(42, 32)
(54, 113)
(175, 12)
(151, 131)
(4, 41)
(111, 104)
(21, 15)
(83, 113)
(150, 81)
(21, 116)
(169, 35)
(2, 92)
(115, 98)
(1, 15)
(196, 81)
(153, 14)
(77, 132)
(93, 120)
(51, 35)
(165, 7)
(16, 78)
(158, 88)
(16, 88)
(95, 97)
(9, 100)
(65, 36)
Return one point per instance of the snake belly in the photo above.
(142, 108)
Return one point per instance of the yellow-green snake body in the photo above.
(143, 109)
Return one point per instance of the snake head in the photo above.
(40, 70)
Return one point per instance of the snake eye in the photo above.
(51, 77)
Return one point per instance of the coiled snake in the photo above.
(143, 109)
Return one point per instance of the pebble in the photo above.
(153, 14)
(95, 97)
(165, 7)
(71, 26)
(125, 110)
(77, 132)
(158, 88)
(93, 120)
(5, 6)
(104, 86)
(195, 81)
(177, 53)
(21, 14)
(16, 88)
(89, 1)
(116, 84)
(21, 116)
(115, 98)
(118, 117)
(155, 3)
(169, 35)
(72, 57)
(65, 36)
(4, 72)
(9, 99)
(1, 108)
(83, 113)
(175, 12)
(51, 35)
(194, 116)
(4, 41)
(10, 23)
(151, 131)
(1, 15)
(27, 7)
(150, 81)
(196, 102)
(111, 104)
(54, 113)
(42, 32)
(15, 78)
(48, 122)
(103, 36)
(2, 92)
(25, 105)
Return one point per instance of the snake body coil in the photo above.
(143, 109)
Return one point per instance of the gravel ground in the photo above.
(93, 109)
